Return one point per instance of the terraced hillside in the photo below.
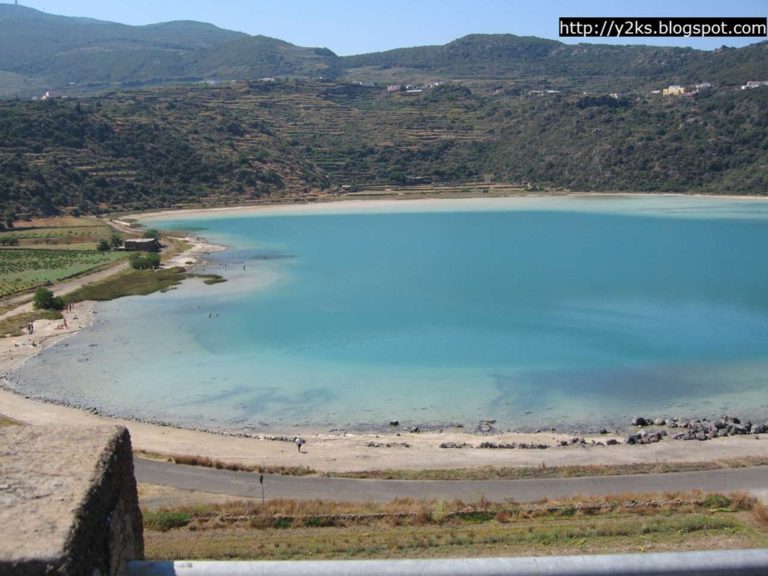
(300, 139)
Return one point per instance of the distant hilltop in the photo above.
(42, 52)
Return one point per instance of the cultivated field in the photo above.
(49, 250)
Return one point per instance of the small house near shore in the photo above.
(142, 245)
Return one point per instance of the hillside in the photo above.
(536, 61)
(293, 139)
(58, 52)
(76, 56)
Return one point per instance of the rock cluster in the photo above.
(388, 445)
(456, 445)
(695, 429)
(486, 426)
(511, 445)
(644, 437)
(726, 426)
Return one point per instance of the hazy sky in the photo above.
(358, 26)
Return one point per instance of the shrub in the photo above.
(144, 261)
(164, 520)
(716, 501)
(116, 240)
(45, 300)
(104, 246)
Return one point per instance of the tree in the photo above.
(142, 261)
(9, 219)
(104, 246)
(152, 233)
(45, 300)
(116, 240)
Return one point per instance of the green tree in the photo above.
(116, 240)
(10, 217)
(152, 233)
(45, 300)
(104, 246)
(144, 261)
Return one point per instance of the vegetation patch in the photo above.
(129, 283)
(207, 462)
(290, 529)
(6, 421)
(164, 520)
(17, 325)
(511, 472)
(23, 269)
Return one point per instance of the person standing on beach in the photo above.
(299, 442)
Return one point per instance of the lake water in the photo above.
(533, 312)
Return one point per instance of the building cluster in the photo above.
(754, 84)
(677, 90)
(412, 88)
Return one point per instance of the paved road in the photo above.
(753, 480)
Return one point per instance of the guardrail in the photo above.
(717, 563)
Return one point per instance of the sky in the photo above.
(360, 26)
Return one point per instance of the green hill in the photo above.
(40, 51)
(295, 139)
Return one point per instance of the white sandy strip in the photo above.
(334, 205)
(195, 254)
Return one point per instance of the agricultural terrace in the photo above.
(50, 250)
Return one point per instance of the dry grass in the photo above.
(207, 462)
(6, 421)
(512, 472)
(287, 529)
(17, 325)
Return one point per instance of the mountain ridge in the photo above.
(41, 51)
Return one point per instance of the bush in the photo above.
(9, 241)
(45, 300)
(164, 520)
(144, 261)
(104, 246)
(152, 233)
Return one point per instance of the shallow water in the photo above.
(533, 312)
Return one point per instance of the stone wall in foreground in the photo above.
(68, 501)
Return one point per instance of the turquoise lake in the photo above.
(535, 312)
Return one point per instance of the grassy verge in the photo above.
(206, 462)
(16, 325)
(281, 530)
(509, 472)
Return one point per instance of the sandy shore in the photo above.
(346, 452)
(334, 204)
(342, 451)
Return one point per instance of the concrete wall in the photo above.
(68, 501)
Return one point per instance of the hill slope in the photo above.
(290, 139)
(39, 51)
